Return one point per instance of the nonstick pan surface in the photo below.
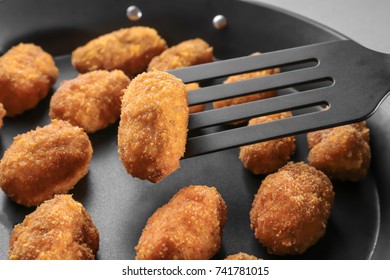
(359, 226)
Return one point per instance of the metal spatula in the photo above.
(358, 81)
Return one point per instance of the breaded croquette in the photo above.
(152, 130)
(315, 137)
(267, 157)
(2, 114)
(291, 209)
(59, 229)
(188, 227)
(241, 257)
(44, 162)
(26, 75)
(247, 98)
(91, 101)
(187, 53)
(127, 49)
(342, 152)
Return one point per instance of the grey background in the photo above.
(366, 22)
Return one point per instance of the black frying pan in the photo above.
(119, 204)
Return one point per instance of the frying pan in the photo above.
(120, 205)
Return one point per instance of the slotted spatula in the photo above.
(359, 82)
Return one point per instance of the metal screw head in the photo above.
(219, 22)
(133, 13)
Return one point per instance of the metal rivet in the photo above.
(219, 22)
(133, 13)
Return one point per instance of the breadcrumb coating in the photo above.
(59, 229)
(188, 227)
(342, 152)
(91, 101)
(269, 156)
(187, 53)
(152, 131)
(43, 162)
(241, 257)
(291, 209)
(315, 137)
(250, 97)
(26, 75)
(127, 49)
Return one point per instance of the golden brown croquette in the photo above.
(291, 209)
(59, 229)
(315, 137)
(152, 131)
(342, 152)
(91, 101)
(127, 49)
(187, 53)
(241, 257)
(188, 227)
(43, 162)
(267, 157)
(26, 75)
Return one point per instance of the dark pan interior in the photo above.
(120, 205)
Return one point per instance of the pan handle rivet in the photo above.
(219, 22)
(133, 13)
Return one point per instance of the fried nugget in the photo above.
(59, 229)
(152, 131)
(342, 152)
(247, 98)
(188, 227)
(187, 53)
(127, 49)
(269, 156)
(241, 257)
(291, 209)
(26, 74)
(2, 114)
(44, 162)
(91, 101)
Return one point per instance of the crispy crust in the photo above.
(26, 75)
(291, 209)
(44, 162)
(59, 229)
(187, 53)
(315, 137)
(241, 257)
(269, 156)
(91, 101)
(152, 131)
(188, 227)
(127, 49)
(342, 153)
